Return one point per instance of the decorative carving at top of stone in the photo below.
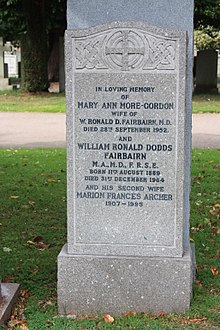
(125, 49)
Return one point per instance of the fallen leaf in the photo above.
(31, 203)
(37, 239)
(39, 245)
(198, 282)
(214, 230)
(8, 279)
(23, 327)
(129, 314)
(42, 246)
(45, 303)
(22, 324)
(24, 293)
(99, 323)
(161, 314)
(214, 270)
(50, 180)
(14, 197)
(14, 322)
(214, 211)
(18, 320)
(195, 320)
(31, 243)
(108, 318)
(216, 256)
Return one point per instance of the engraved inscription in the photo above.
(124, 137)
(127, 139)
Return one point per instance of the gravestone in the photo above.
(3, 81)
(128, 88)
(8, 296)
(218, 65)
(206, 71)
(11, 60)
(61, 65)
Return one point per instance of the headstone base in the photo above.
(4, 84)
(90, 285)
(9, 294)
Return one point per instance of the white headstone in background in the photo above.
(11, 60)
(128, 88)
(3, 81)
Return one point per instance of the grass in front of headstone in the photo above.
(33, 230)
(16, 101)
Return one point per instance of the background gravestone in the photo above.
(128, 141)
(206, 71)
(3, 81)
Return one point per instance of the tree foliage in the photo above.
(12, 20)
(13, 16)
(207, 13)
(207, 38)
(207, 24)
(30, 22)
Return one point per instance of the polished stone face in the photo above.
(126, 108)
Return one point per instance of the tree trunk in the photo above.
(34, 48)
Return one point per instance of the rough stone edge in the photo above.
(64, 277)
(9, 295)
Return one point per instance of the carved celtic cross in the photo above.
(125, 51)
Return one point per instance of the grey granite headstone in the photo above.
(8, 296)
(128, 143)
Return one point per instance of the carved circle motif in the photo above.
(125, 50)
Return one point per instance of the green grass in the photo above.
(52, 102)
(17, 101)
(33, 210)
(206, 103)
